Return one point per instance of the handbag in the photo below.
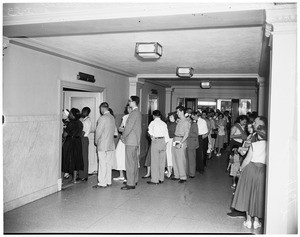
(214, 133)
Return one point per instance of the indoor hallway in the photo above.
(197, 206)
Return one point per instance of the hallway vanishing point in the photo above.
(197, 206)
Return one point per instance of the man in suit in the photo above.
(131, 137)
(104, 139)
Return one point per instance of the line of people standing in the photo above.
(76, 129)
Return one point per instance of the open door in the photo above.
(79, 100)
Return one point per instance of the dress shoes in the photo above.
(125, 183)
(161, 181)
(119, 179)
(174, 178)
(84, 179)
(191, 177)
(182, 181)
(127, 187)
(98, 186)
(150, 182)
(146, 177)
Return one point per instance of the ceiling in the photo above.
(224, 43)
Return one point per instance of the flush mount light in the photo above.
(148, 50)
(205, 84)
(185, 71)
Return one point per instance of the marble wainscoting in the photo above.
(31, 165)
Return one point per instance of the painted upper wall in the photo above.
(31, 82)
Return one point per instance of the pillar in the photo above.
(135, 88)
(262, 97)
(168, 100)
(281, 191)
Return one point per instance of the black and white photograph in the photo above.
(150, 117)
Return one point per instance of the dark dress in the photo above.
(72, 148)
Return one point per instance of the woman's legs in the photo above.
(256, 223)
(74, 176)
(148, 172)
(121, 176)
(233, 182)
(169, 171)
(248, 222)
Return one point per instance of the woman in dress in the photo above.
(119, 162)
(172, 117)
(221, 135)
(250, 192)
(72, 160)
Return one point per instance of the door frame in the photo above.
(75, 86)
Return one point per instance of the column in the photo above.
(133, 86)
(168, 100)
(136, 88)
(281, 191)
(5, 44)
(262, 97)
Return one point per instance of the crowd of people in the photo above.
(180, 147)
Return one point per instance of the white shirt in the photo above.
(259, 152)
(158, 128)
(87, 126)
(202, 126)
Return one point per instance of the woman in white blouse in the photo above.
(250, 193)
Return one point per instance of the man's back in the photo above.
(105, 133)
(133, 128)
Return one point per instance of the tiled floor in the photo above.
(197, 206)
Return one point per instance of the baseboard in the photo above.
(8, 206)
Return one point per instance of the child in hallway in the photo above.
(234, 166)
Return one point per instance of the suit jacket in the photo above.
(104, 136)
(192, 140)
(133, 128)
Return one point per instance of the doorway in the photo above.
(80, 96)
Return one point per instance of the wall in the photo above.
(32, 110)
(215, 93)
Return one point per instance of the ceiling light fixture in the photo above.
(148, 50)
(185, 71)
(205, 84)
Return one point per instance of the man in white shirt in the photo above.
(159, 134)
(87, 127)
(203, 140)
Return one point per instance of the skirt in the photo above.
(169, 152)
(148, 157)
(72, 158)
(119, 157)
(220, 141)
(250, 192)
